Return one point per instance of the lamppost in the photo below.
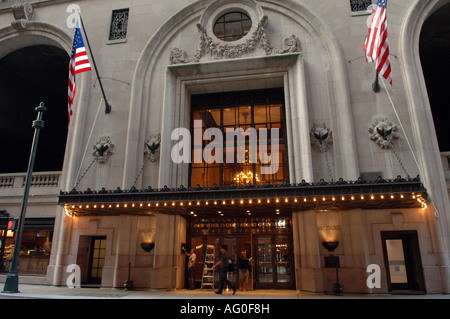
(12, 279)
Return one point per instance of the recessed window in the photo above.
(119, 24)
(360, 5)
(262, 110)
(232, 26)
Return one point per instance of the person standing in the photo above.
(191, 268)
(244, 266)
(224, 263)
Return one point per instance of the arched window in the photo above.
(29, 76)
(232, 26)
(434, 52)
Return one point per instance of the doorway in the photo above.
(272, 266)
(274, 262)
(97, 254)
(402, 261)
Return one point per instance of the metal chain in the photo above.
(79, 180)
(326, 159)
(142, 168)
(398, 157)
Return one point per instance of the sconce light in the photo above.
(333, 262)
(330, 245)
(147, 246)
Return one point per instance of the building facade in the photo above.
(250, 124)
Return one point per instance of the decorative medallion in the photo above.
(382, 131)
(321, 136)
(152, 147)
(103, 149)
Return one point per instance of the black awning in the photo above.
(30, 222)
(39, 222)
(261, 199)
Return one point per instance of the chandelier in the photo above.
(243, 178)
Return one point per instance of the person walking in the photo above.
(224, 263)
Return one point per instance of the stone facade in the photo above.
(311, 49)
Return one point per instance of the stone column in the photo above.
(306, 251)
(168, 271)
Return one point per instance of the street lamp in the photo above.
(12, 279)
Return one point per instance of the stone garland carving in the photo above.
(382, 132)
(103, 149)
(22, 13)
(321, 134)
(226, 51)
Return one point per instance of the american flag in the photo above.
(79, 62)
(376, 45)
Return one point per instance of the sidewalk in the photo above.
(52, 292)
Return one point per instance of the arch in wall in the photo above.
(331, 55)
(434, 47)
(47, 34)
(426, 144)
(34, 59)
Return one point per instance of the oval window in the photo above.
(232, 26)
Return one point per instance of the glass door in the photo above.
(283, 261)
(274, 262)
(96, 259)
(264, 260)
(272, 258)
(247, 246)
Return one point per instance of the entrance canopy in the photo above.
(256, 200)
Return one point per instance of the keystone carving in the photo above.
(22, 14)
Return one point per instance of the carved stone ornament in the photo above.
(382, 132)
(218, 49)
(321, 134)
(152, 147)
(22, 13)
(103, 149)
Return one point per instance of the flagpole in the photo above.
(376, 85)
(107, 105)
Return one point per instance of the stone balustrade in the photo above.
(39, 180)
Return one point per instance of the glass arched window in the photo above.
(232, 26)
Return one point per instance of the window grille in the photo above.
(232, 26)
(119, 24)
(360, 5)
